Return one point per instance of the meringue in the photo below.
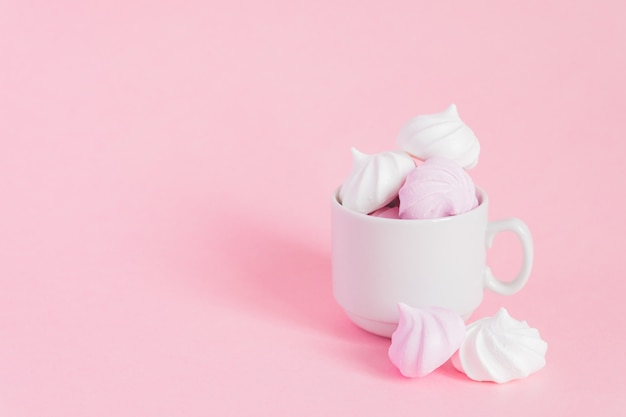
(500, 349)
(442, 134)
(374, 180)
(387, 212)
(425, 339)
(437, 188)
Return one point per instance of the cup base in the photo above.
(380, 328)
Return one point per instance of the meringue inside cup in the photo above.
(481, 196)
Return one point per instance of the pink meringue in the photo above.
(387, 212)
(425, 339)
(438, 188)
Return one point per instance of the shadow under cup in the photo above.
(379, 262)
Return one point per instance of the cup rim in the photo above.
(481, 195)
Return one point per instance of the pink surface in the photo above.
(166, 172)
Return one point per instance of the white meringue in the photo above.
(374, 180)
(425, 339)
(442, 134)
(500, 349)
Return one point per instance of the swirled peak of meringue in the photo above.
(441, 134)
(374, 180)
(425, 339)
(437, 188)
(500, 349)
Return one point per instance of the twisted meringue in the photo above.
(437, 188)
(500, 349)
(425, 339)
(374, 180)
(441, 134)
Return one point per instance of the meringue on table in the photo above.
(425, 339)
(500, 349)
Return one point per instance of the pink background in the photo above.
(166, 171)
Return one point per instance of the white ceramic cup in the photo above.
(379, 262)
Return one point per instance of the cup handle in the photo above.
(521, 230)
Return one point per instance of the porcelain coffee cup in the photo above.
(380, 262)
